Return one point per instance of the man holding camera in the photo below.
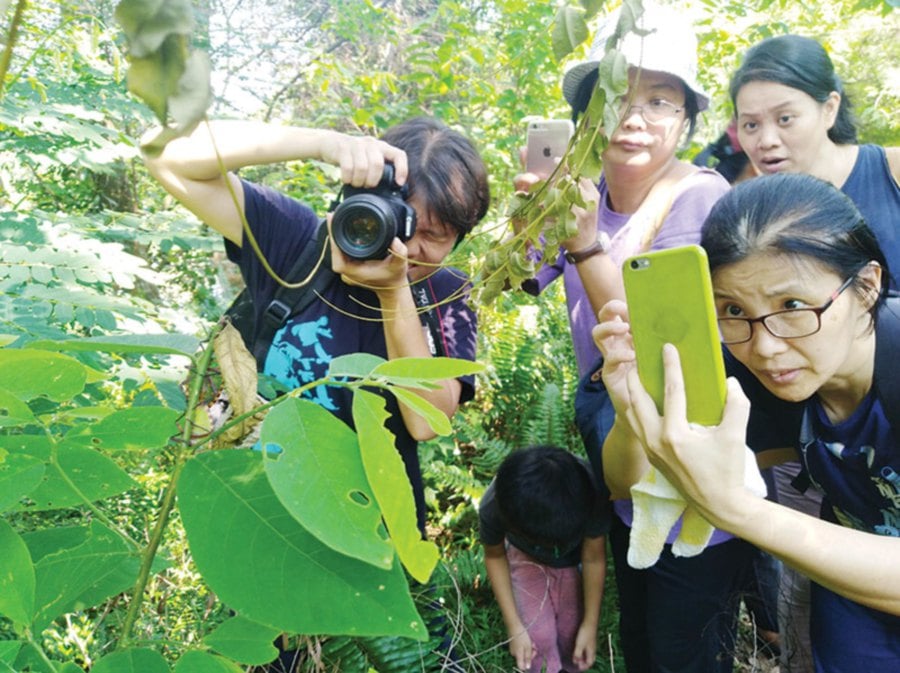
(374, 305)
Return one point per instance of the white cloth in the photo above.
(658, 506)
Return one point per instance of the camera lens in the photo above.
(634, 264)
(363, 227)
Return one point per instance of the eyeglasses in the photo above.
(791, 323)
(653, 111)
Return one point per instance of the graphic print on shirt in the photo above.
(299, 355)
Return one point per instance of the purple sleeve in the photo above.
(689, 209)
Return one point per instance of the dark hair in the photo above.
(544, 494)
(445, 171)
(797, 215)
(586, 89)
(803, 64)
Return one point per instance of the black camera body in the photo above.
(367, 219)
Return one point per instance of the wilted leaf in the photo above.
(387, 475)
(148, 24)
(238, 369)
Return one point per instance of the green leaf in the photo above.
(19, 475)
(195, 661)
(95, 476)
(334, 502)
(437, 420)
(32, 374)
(14, 411)
(128, 429)
(261, 562)
(244, 640)
(154, 78)
(125, 344)
(132, 660)
(9, 649)
(17, 582)
(569, 30)
(426, 369)
(355, 365)
(387, 475)
(98, 565)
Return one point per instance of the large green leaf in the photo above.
(195, 661)
(386, 473)
(261, 562)
(17, 582)
(132, 660)
(128, 429)
(9, 649)
(569, 30)
(29, 374)
(20, 474)
(436, 418)
(245, 641)
(405, 370)
(95, 477)
(319, 478)
(77, 568)
(355, 365)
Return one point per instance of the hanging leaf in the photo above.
(265, 565)
(243, 640)
(238, 369)
(569, 30)
(387, 475)
(318, 476)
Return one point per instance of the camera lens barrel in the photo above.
(367, 220)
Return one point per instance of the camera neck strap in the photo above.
(428, 315)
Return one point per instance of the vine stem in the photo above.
(183, 451)
(6, 57)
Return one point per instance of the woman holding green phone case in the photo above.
(799, 281)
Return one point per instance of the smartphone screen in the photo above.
(670, 300)
(547, 140)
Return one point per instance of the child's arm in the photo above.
(593, 577)
(520, 645)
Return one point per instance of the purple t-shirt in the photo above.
(697, 194)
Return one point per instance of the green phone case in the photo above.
(670, 300)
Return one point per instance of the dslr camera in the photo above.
(367, 220)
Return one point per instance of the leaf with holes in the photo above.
(318, 476)
(270, 569)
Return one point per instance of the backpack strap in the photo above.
(289, 301)
(887, 355)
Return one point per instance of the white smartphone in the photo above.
(547, 140)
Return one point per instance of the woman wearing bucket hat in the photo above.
(680, 614)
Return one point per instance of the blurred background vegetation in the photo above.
(90, 246)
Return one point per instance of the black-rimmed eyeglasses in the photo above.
(791, 323)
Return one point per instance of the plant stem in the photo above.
(6, 57)
(183, 451)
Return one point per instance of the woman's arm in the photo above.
(593, 577)
(195, 169)
(706, 464)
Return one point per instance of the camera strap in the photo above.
(429, 317)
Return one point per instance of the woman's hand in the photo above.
(586, 218)
(381, 275)
(362, 158)
(612, 335)
(706, 464)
